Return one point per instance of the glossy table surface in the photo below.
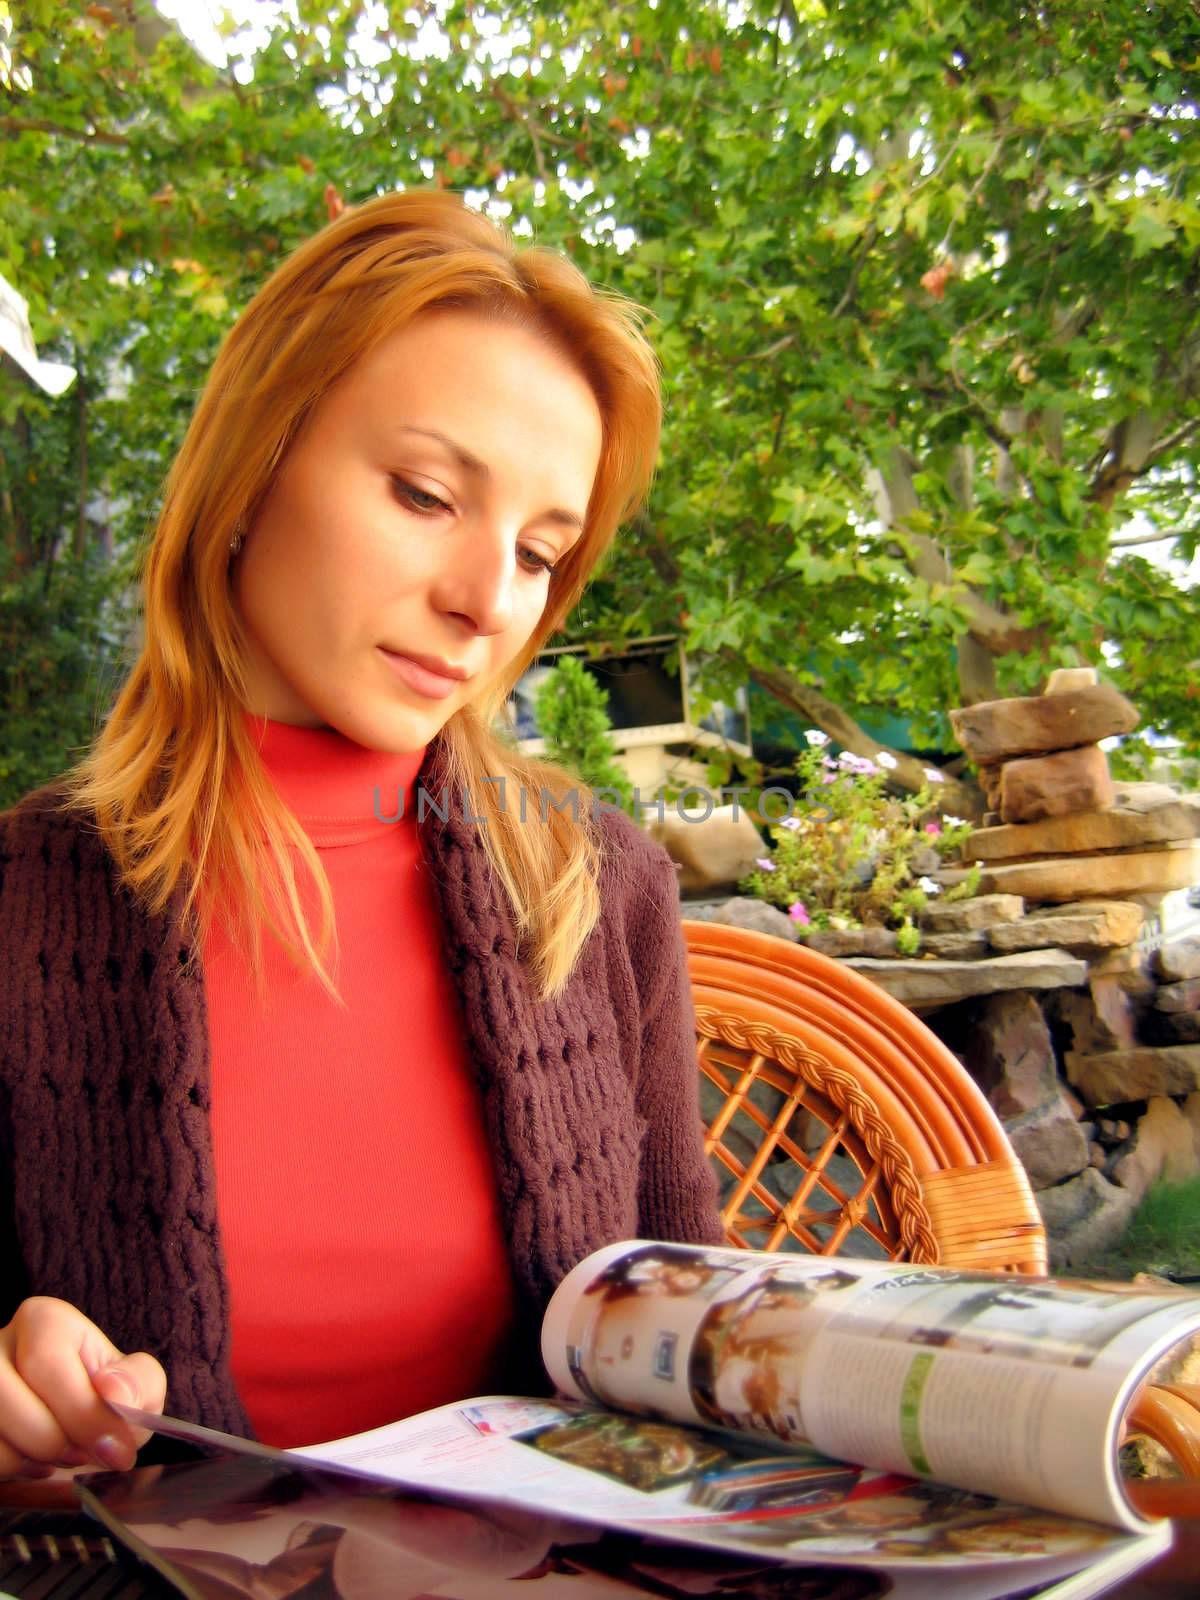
(50, 1551)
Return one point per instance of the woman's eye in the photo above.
(419, 500)
(535, 562)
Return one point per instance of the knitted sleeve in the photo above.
(677, 1188)
(12, 1271)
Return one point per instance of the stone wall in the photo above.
(1098, 1078)
(1087, 1045)
(1096, 1091)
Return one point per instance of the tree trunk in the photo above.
(960, 799)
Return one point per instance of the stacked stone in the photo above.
(1070, 863)
(1040, 756)
(1040, 762)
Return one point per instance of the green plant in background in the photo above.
(1161, 1238)
(853, 855)
(877, 244)
(572, 714)
(59, 659)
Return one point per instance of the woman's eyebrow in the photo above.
(460, 453)
(480, 469)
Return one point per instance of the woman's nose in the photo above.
(478, 582)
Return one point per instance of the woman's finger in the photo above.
(48, 1355)
(29, 1430)
(136, 1380)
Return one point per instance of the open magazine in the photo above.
(837, 1415)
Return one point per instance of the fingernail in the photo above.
(129, 1396)
(113, 1452)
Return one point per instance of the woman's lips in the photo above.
(422, 681)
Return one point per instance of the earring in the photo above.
(235, 544)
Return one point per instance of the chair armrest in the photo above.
(1169, 1413)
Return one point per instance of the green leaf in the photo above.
(1148, 233)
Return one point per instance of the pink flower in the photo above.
(798, 912)
(765, 862)
(933, 829)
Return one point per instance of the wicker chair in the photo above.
(838, 1120)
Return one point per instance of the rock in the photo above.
(1163, 1147)
(1082, 928)
(1136, 795)
(964, 916)
(955, 946)
(1130, 967)
(1129, 962)
(1063, 679)
(745, 911)
(1120, 1075)
(1113, 1130)
(936, 983)
(1034, 787)
(1162, 1027)
(1178, 961)
(997, 730)
(1124, 826)
(1101, 1018)
(990, 782)
(1115, 1013)
(1011, 1056)
(1073, 1100)
(1077, 877)
(852, 941)
(712, 851)
(1083, 1217)
(1184, 996)
(1191, 1110)
(1049, 1143)
(1097, 1157)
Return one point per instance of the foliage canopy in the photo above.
(924, 279)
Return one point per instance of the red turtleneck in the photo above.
(368, 1273)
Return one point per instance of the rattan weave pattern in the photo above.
(845, 1094)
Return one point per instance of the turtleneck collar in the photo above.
(329, 782)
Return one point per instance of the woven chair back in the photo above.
(840, 1123)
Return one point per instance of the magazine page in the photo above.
(242, 1526)
(712, 1490)
(1010, 1386)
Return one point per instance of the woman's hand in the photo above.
(57, 1371)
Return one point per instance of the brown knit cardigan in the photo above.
(106, 1168)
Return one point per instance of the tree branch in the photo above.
(1180, 436)
(1149, 538)
(41, 125)
(81, 494)
(860, 261)
(959, 798)
(991, 627)
(764, 355)
(536, 133)
(1130, 447)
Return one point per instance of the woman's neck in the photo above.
(335, 787)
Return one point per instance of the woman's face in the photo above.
(401, 558)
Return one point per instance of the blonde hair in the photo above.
(174, 781)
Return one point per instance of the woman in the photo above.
(296, 1198)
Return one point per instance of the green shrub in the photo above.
(850, 856)
(572, 714)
